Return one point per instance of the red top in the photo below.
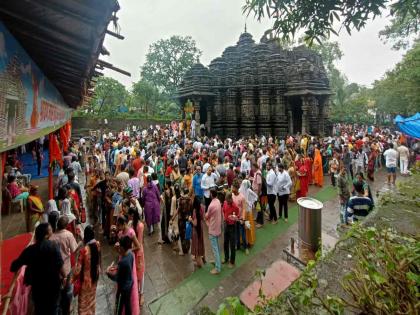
(137, 164)
(168, 171)
(230, 177)
(14, 189)
(228, 210)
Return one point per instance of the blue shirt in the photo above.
(358, 206)
(198, 191)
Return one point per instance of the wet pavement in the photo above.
(168, 273)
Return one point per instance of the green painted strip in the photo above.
(192, 289)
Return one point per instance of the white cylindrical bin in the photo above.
(310, 211)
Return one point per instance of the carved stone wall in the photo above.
(255, 89)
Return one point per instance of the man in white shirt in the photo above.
(246, 165)
(208, 181)
(284, 182)
(272, 192)
(193, 125)
(404, 155)
(391, 156)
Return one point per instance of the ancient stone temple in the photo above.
(259, 89)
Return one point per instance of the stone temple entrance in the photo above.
(295, 115)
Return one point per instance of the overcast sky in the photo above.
(216, 24)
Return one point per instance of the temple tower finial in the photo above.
(245, 27)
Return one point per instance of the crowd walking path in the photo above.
(174, 286)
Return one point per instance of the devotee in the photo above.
(86, 273)
(44, 271)
(34, 210)
(125, 276)
(197, 243)
(271, 192)
(68, 246)
(184, 213)
(334, 167)
(17, 191)
(302, 173)
(208, 181)
(283, 183)
(318, 172)
(151, 199)
(198, 191)
(404, 154)
(137, 225)
(343, 192)
(391, 156)
(230, 214)
(358, 205)
(214, 221)
(239, 201)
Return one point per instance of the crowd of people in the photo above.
(162, 180)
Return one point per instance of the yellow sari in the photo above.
(32, 216)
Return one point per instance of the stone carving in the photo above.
(257, 88)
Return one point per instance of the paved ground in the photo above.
(172, 286)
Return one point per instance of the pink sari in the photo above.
(140, 264)
(135, 306)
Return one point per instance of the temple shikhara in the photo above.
(259, 89)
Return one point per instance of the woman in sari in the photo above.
(295, 181)
(250, 199)
(318, 169)
(309, 165)
(302, 173)
(86, 271)
(35, 208)
(138, 226)
(197, 244)
(371, 165)
(166, 212)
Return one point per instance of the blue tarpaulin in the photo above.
(410, 126)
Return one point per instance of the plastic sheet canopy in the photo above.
(409, 126)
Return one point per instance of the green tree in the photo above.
(399, 91)
(403, 30)
(320, 18)
(109, 94)
(168, 60)
(145, 96)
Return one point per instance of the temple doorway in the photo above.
(203, 112)
(295, 104)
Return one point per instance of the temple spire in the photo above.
(245, 27)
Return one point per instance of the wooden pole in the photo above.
(50, 171)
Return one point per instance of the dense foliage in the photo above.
(399, 91)
(320, 18)
(168, 60)
(112, 99)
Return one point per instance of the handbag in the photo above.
(258, 206)
(188, 231)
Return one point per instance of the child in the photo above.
(230, 214)
(334, 167)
